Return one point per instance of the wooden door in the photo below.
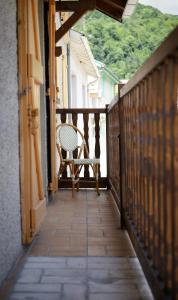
(52, 93)
(30, 81)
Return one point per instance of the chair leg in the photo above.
(77, 183)
(97, 180)
(73, 180)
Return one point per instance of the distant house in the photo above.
(82, 69)
(103, 91)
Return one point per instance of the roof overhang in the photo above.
(112, 8)
(79, 45)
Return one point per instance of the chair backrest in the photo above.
(68, 139)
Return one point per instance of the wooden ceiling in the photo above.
(112, 8)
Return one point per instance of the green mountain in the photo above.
(123, 47)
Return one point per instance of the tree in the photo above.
(124, 47)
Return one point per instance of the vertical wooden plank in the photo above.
(74, 121)
(145, 171)
(173, 94)
(162, 171)
(127, 152)
(52, 93)
(150, 150)
(97, 137)
(124, 104)
(135, 155)
(129, 155)
(25, 164)
(122, 161)
(138, 161)
(108, 146)
(64, 153)
(141, 162)
(168, 110)
(175, 175)
(131, 198)
(85, 121)
(137, 158)
(159, 164)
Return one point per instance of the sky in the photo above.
(165, 6)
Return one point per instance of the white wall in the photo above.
(78, 83)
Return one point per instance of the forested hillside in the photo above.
(124, 47)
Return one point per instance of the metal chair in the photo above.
(68, 140)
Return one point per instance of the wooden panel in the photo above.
(64, 153)
(97, 138)
(35, 69)
(86, 136)
(25, 169)
(148, 127)
(80, 110)
(74, 121)
(113, 150)
(33, 200)
(84, 183)
(52, 95)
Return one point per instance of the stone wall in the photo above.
(10, 223)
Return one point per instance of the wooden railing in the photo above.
(72, 115)
(147, 127)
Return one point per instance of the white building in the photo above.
(83, 69)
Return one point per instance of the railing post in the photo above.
(107, 146)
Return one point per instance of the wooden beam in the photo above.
(58, 51)
(83, 182)
(75, 5)
(68, 24)
(81, 110)
(109, 10)
(114, 4)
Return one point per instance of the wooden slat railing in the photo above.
(72, 114)
(147, 127)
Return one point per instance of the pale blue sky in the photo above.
(166, 6)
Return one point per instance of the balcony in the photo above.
(139, 198)
(142, 169)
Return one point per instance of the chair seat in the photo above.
(86, 161)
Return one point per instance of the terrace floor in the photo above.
(81, 254)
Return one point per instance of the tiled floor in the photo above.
(85, 225)
(81, 278)
(81, 254)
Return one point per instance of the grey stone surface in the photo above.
(45, 265)
(34, 296)
(10, 224)
(76, 283)
(29, 276)
(66, 276)
(77, 262)
(36, 287)
(112, 287)
(43, 259)
(114, 296)
(74, 292)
